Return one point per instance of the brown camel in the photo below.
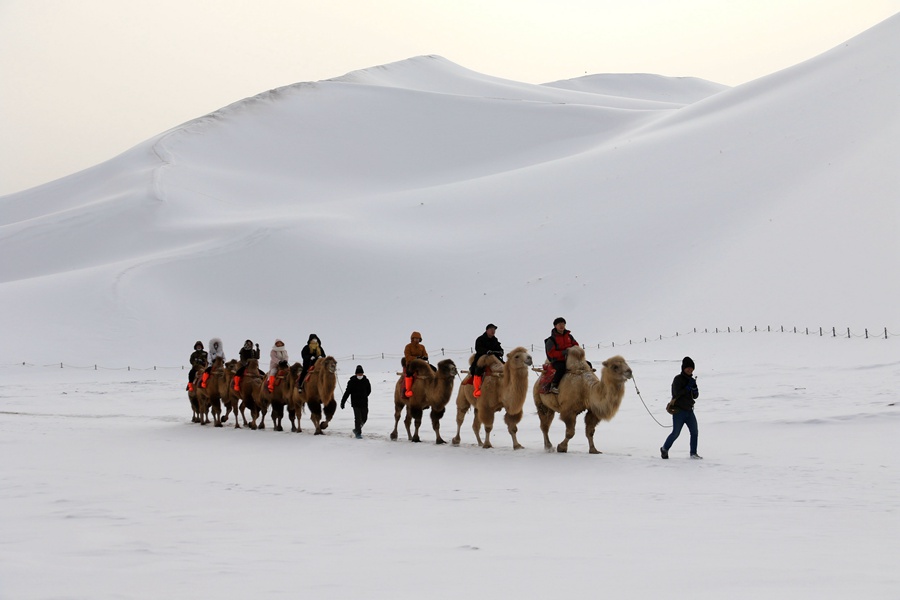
(431, 389)
(243, 398)
(210, 397)
(192, 393)
(580, 390)
(506, 389)
(317, 394)
(277, 398)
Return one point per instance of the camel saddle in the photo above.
(468, 379)
(546, 378)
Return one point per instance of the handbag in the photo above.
(670, 407)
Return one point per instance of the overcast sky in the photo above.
(84, 80)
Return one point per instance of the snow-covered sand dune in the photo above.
(422, 195)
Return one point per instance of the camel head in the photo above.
(447, 368)
(329, 363)
(252, 365)
(519, 356)
(617, 368)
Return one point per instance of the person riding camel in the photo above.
(215, 351)
(278, 357)
(199, 361)
(557, 347)
(414, 349)
(246, 353)
(311, 352)
(486, 343)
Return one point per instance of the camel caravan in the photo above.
(567, 386)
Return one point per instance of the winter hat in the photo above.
(359, 370)
(312, 337)
(558, 320)
(248, 344)
(490, 326)
(198, 345)
(415, 334)
(687, 363)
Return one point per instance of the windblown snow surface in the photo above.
(422, 195)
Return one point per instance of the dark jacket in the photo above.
(199, 359)
(358, 390)
(557, 344)
(487, 345)
(308, 356)
(684, 391)
(248, 353)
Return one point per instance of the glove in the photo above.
(343, 403)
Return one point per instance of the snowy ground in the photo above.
(108, 490)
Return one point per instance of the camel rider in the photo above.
(198, 363)
(277, 357)
(246, 353)
(486, 343)
(414, 349)
(311, 352)
(557, 347)
(215, 351)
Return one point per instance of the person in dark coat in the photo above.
(311, 352)
(684, 393)
(358, 390)
(486, 343)
(246, 353)
(557, 347)
(199, 360)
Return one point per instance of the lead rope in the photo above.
(645, 404)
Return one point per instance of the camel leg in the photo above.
(254, 414)
(315, 415)
(512, 425)
(476, 426)
(217, 413)
(590, 425)
(462, 407)
(416, 415)
(291, 415)
(569, 420)
(398, 408)
(487, 419)
(436, 424)
(262, 418)
(329, 410)
(546, 416)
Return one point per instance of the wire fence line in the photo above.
(821, 332)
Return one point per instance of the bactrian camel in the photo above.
(317, 395)
(211, 396)
(506, 388)
(431, 389)
(580, 390)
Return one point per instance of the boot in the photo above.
(271, 383)
(476, 380)
(408, 382)
(237, 383)
(203, 380)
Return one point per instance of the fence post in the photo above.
(885, 333)
(867, 333)
(60, 365)
(848, 333)
(834, 332)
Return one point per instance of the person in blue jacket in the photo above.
(684, 393)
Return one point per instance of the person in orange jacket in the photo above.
(414, 349)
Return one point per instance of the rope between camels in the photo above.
(645, 404)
